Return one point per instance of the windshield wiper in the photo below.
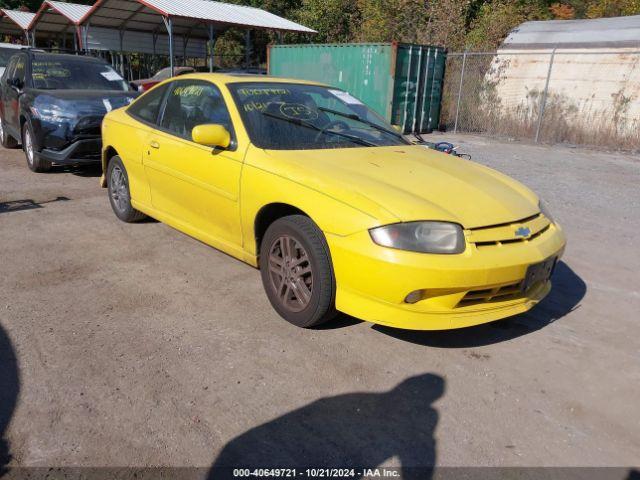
(311, 126)
(358, 118)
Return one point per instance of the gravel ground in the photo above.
(135, 345)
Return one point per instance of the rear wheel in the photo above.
(6, 140)
(297, 273)
(35, 162)
(119, 194)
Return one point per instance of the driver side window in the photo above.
(191, 103)
(19, 73)
(8, 73)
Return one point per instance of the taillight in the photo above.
(148, 86)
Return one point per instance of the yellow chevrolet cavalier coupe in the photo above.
(338, 210)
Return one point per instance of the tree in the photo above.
(497, 18)
(612, 8)
(335, 20)
(562, 11)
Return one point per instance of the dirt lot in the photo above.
(134, 345)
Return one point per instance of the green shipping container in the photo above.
(402, 82)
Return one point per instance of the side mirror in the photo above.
(211, 135)
(16, 84)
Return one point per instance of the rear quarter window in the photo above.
(147, 107)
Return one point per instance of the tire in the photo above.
(303, 290)
(119, 194)
(6, 140)
(35, 162)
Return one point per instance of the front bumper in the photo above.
(455, 291)
(86, 150)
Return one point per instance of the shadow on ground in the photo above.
(20, 205)
(92, 170)
(567, 293)
(9, 388)
(355, 429)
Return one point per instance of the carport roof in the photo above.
(18, 21)
(189, 17)
(53, 16)
(615, 32)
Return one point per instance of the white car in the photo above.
(6, 51)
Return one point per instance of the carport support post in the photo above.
(79, 35)
(212, 44)
(247, 48)
(169, 24)
(86, 36)
(122, 52)
(464, 64)
(543, 101)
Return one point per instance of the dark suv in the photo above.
(53, 105)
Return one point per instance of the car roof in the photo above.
(14, 46)
(42, 53)
(228, 78)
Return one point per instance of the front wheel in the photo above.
(119, 194)
(35, 162)
(296, 270)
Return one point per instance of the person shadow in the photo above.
(9, 389)
(354, 430)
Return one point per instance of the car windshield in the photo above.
(283, 116)
(56, 73)
(162, 74)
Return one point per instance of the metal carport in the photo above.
(59, 17)
(16, 22)
(188, 19)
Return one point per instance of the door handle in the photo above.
(154, 144)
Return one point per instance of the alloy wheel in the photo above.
(28, 146)
(119, 189)
(290, 273)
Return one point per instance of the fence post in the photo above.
(464, 63)
(543, 101)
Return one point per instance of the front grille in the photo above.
(511, 291)
(89, 125)
(513, 240)
(505, 234)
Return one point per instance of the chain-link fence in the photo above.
(579, 97)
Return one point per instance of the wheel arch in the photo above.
(107, 154)
(270, 213)
(22, 120)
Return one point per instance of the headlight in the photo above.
(52, 110)
(423, 237)
(544, 209)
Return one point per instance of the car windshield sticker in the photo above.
(107, 104)
(112, 76)
(345, 97)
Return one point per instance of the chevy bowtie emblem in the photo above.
(523, 232)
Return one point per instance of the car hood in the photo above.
(89, 101)
(409, 183)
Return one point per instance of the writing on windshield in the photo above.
(299, 116)
(72, 74)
